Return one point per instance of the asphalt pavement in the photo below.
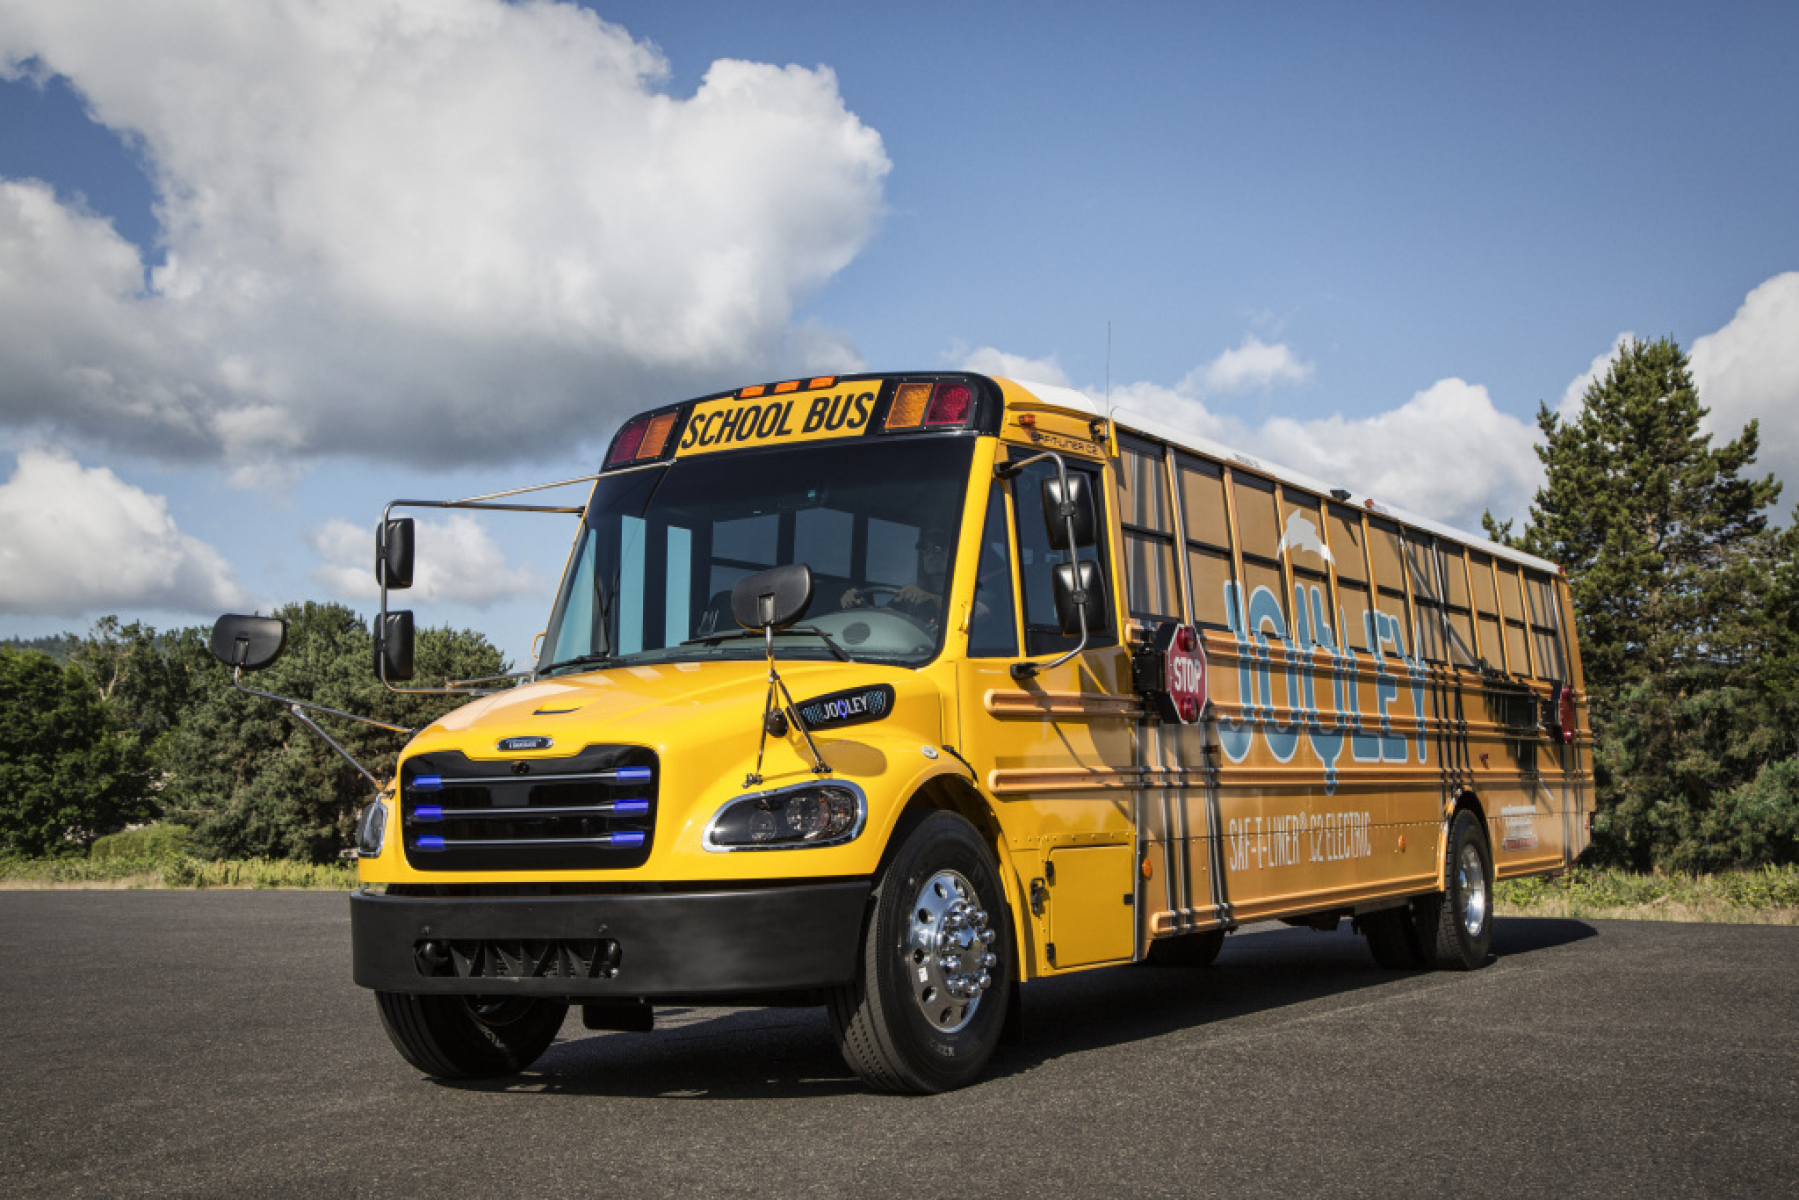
(212, 1044)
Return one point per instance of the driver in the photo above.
(922, 600)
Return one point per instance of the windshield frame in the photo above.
(866, 488)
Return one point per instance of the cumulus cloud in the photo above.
(76, 540)
(427, 231)
(456, 561)
(1447, 453)
(1253, 366)
(1750, 370)
(988, 361)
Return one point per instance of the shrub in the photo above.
(151, 843)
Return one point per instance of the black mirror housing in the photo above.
(1060, 505)
(1079, 589)
(772, 599)
(393, 646)
(251, 643)
(393, 553)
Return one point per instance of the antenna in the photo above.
(1108, 366)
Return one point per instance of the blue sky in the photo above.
(265, 267)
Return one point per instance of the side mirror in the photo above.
(393, 646)
(393, 553)
(251, 643)
(1062, 504)
(772, 599)
(1079, 590)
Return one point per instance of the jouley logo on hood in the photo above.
(855, 707)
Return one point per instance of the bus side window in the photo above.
(993, 631)
(1042, 633)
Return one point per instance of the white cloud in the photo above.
(77, 541)
(455, 560)
(433, 231)
(1447, 453)
(988, 361)
(1750, 370)
(1253, 366)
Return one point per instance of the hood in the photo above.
(646, 705)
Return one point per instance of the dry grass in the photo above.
(180, 872)
(1764, 896)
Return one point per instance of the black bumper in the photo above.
(667, 944)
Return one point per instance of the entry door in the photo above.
(1056, 749)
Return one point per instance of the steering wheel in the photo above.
(877, 630)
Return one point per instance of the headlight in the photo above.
(371, 829)
(810, 814)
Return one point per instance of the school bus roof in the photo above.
(1130, 421)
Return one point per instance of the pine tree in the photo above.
(1676, 576)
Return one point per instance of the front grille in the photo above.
(592, 810)
(518, 958)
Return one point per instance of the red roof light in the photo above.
(624, 446)
(950, 404)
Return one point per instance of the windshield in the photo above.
(651, 576)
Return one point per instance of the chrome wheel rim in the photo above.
(1471, 884)
(948, 951)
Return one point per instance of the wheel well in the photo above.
(952, 793)
(1466, 799)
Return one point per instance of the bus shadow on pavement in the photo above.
(735, 1054)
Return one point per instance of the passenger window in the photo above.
(1153, 590)
(993, 630)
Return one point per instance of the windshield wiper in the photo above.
(585, 660)
(713, 639)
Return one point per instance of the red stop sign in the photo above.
(1184, 673)
(1169, 672)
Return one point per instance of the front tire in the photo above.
(469, 1037)
(929, 1001)
(1455, 926)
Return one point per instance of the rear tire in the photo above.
(1455, 926)
(929, 1001)
(1186, 950)
(1393, 939)
(469, 1037)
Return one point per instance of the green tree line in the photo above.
(135, 725)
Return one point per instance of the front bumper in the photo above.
(641, 946)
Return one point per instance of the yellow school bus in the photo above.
(892, 692)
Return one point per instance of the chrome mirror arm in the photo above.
(297, 708)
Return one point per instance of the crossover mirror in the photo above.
(772, 599)
(248, 643)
